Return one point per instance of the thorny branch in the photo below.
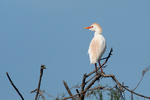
(14, 86)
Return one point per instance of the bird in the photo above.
(97, 45)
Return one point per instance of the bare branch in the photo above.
(143, 73)
(121, 86)
(39, 84)
(83, 82)
(92, 82)
(145, 70)
(68, 90)
(114, 79)
(41, 92)
(90, 79)
(82, 86)
(96, 77)
(14, 86)
(78, 93)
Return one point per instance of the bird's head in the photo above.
(94, 27)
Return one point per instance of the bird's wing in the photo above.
(96, 48)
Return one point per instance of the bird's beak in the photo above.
(88, 27)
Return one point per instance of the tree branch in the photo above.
(96, 77)
(39, 84)
(121, 86)
(14, 86)
(68, 90)
(114, 79)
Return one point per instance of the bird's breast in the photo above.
(97, 48)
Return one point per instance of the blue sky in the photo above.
(50, 32)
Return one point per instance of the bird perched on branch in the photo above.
(97, 46)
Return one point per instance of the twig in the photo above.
(136, 93)
(114, 78)
(35, 90)
(99, 88)
(68, 90)
(14, 86)
(78, 93)
(138, 83)
(82, 86)
(90, 84)
(39, 84)
(41, 93)
(121, 86)
(143, 73)
(90, 79)
(131, 96)
(83, 82)
(95, 88)
(110, 53)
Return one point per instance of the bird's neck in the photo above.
(97, 33)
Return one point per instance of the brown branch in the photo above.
(110, 53)
(138, 83)
(83, 86)
(41, 92)
(14, 86)
(143, 73)
(73, 96)
(131, 96)
(114, 79)
(121, 86)
(138, 94)
(91, 89)
(68, 90)
(90, 79)
(83, 82)
(78, 93)
(39, 84)
(96, 77)
(90, 84)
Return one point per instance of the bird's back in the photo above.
(96, 48)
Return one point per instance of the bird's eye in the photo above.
(91, 26)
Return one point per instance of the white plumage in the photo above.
(98, 45)
(96, 48)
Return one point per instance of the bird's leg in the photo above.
(100, 66)
(96, 68)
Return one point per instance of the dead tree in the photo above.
(89, 80)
